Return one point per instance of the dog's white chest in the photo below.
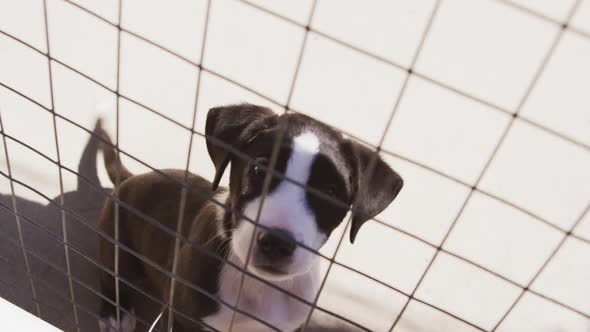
(264, 302)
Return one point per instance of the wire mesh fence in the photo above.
(74, 253)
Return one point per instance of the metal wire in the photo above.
(18, 221)
(52, 265)
(246, 272)
(205, 250)
(162, 227)
(196, 246)
(183, 191)
(547, 261)
(185, 187)
(116, 210)
(131, 251)
(60, 176)
(490, 159)
(371, 167)
(272, 163)
(88, 258)
(12, 288)
(50, 286)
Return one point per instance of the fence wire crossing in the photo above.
(68, 214)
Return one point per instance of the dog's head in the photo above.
(316, 162)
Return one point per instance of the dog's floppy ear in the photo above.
(374, 193)
(234, 125)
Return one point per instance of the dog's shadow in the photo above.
(42, 235)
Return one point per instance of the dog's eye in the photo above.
(330, 190)
(255, 169)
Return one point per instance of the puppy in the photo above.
(292, 220)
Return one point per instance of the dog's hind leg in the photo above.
(130, 271)
(108, 309)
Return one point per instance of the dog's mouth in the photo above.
(265, 268)
(271, 269)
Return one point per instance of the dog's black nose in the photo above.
(276, 244)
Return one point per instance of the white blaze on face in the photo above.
(286, 208)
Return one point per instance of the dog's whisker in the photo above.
(224, 246)
(156, 320)
(219, 235)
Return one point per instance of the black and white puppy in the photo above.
(292, 219)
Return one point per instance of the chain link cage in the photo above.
(49, 263)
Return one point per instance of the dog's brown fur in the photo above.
(158, 197)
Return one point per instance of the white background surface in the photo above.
(16, 319)
(489, 50)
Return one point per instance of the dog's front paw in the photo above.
(109, 324)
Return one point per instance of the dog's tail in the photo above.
(87, 165)
(111, 158)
